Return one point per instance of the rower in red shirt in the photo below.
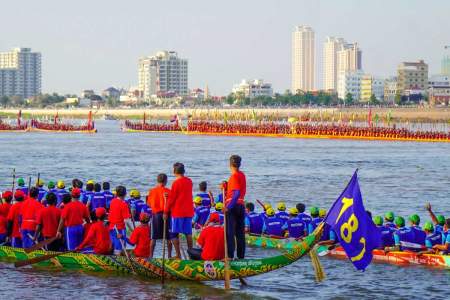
(28, 212)
(119, 219)
(141, 237)
(7, 197)
(72, 217)
(181, 208)
(13, 220)
(97, 239)
(156, 200)
(47, 222)
(211, 241)
(235, 208)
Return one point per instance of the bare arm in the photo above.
(432, 215)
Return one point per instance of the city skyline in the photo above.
(96, 45)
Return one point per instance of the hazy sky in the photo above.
(97, 43)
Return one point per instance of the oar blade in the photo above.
(40, 245)
(34, 260)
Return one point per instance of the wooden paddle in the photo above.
(40, 245)
(14, 181)
(226, 261)
(38, 259)
(29, 186)
(163, 270)
(262, 204)
(126, 253)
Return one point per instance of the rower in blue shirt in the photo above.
(387, 233)
(273, 226)
(444, 248)
(294, 226)
(98, 198)
(206, 200)
(42, 191)
(419, 234)
(389, 219)
(21, 186)
(253, 221)
(60, 191)
(107, 193)
(89, 192)
(201, 213)
(282, 214)
(404, 238)
(316, 220)
(302, 215)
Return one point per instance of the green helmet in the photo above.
(51, 185)
(415, 219)
(20, 182)
(399, 221)
(441, 220)
(389, 216)
(428, 226)
(314, 211)
(378, 220)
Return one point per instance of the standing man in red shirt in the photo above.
(98, 236)
(181, 208)
(13, 220)
(28, 213)
(211, 241)
(119, 219)
(72, 217)
(235, 209)
(155, 200)
(47, 222)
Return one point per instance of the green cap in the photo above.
(314, 211)
(428, 226)
(415, 219)
(389, 216)
(51, 185)
(378, 220)
(20, 182)
(399, 221)
(441, 220)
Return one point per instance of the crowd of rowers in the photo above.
(61, 126)
(278, 128)
(5, 126)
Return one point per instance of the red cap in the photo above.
(19, 194)
(144, 217)
(76, 192)
(100, 212)
(7, 194)
(214, 218)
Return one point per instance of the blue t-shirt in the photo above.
(405, 238)
(273, 226)
(295, 227)
(387, 236)
(98, 200)
(254, 223)
(433, 239)
(314, 223)
(201, 215)
(305, 218)
(206, 201)
(282, 215)
(108, 197)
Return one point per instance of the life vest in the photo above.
(433, 239)
(438, 229)
(419, 235)
(41, 194)
(274, 226)
(59, 195)
(387, 236)
(256, 223)
(86, 196)
(314, 223)
(305, 218)
(282, 215)
(108, 197)
(296, 228)
(407, 240)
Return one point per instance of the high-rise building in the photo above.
(349, 58)
(412, 77)
(371, 85)
(330, 70)
(20, 73)
(445, 65)
(162, 74)
(303, 59)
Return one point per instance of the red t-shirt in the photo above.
(74, 213)
(98, 237)
(237, 181)
(180, 198)
(3, 225)
(4, 209)
(29, 211)
(13, 215)
(141, 238)
(213, 243)
(155, 198)
(118, 213)
(48, 218)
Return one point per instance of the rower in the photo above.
(419, 234)
(98, 239)
(218, 210)
(181, 208)
(137, 205)
(445, 246)
(206, 200)
(314, 211)
(282, 214)
(72, 217)
(266, 207)
(89, 193)
(294, 226)
(47, 222)
(119, 219)
(60, 191)
(42, 191)
(13, 219)
(432, 238)
(302, 215)
(387, 233)
(253, 221)
(439, 221)
(5, 206)
(107, 193)
(21, 186)
(28, 213)
(273, 226)
(211, 242)
(389, 219)
(140, 237)
(97, 199)
(50, 189)
(155, 200)
(201, 213)
(403, 238)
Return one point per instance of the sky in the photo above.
(94, 44)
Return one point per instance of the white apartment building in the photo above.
(253, 89)
(330, 71)
(349, 58)
(390, 89)
(303, 59)
(350, 82)
(20, 73)
(163, 73)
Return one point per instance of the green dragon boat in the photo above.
(174, 269)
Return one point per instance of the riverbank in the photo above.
(328, 114)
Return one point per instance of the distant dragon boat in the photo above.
(57, 126)
(175, 269)
(142, 126)
(20, 126)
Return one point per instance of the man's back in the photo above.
(212, 241)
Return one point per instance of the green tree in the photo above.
(4, 101)
(398, 99)
(373, 100)
(349, 99)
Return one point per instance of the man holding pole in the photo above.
(235, 209)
